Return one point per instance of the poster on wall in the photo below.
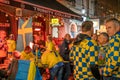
(55, 32)
(74, 27)
(71, 26)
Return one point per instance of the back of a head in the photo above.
(11, 36)
(86, 26)
(27, 48)
(49, 37)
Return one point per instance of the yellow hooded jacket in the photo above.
(51, 58)
(11, 45)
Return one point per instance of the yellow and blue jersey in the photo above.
(112, 66)
(83, 55)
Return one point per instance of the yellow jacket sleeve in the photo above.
(44, 58)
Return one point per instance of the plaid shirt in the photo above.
(83, 55)
(112, 66)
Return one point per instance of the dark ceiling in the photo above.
(111, 4)
(108, 8)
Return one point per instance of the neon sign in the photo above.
(4, 24)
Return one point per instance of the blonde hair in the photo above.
(71, 26)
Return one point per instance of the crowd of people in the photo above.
(87, 57)
(97, 57)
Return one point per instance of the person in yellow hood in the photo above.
(11, 45)
(52, 60)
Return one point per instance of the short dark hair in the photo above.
(27, 48)
(49, 36)
(105, 35)
(67, 35)
(86, 26)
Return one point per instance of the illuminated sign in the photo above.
(4, 24)
(37, 24)
(55, 22)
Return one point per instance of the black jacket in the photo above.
(64, 49)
